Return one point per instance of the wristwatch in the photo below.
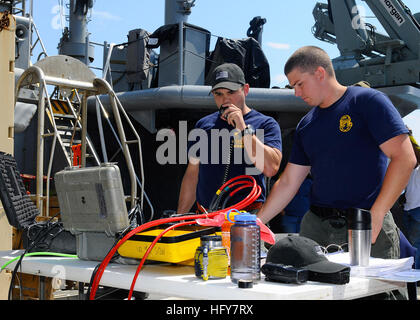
(248, 130)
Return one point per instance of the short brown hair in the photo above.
(307, 59)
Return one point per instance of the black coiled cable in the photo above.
(215, 202)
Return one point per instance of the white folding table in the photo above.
(180, 281)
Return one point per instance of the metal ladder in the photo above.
(68, 75)
(65, 120)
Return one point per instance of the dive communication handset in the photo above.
(221, 110)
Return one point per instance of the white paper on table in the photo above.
(411, 275)
(389, 269)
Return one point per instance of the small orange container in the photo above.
(229, 221)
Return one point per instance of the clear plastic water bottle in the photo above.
(245, 248)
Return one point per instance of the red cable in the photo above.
(246, 184)
(150, 249)
(150, 224)
(252, 197)
(239, 183)
(140, 228)
(239, 189)
(254, 194)
(107, 259)
(236, 178)
(249, 199)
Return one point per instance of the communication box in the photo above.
(92, 199)
(176, 246)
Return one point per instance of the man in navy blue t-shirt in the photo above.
(256, 147)
(345, 142)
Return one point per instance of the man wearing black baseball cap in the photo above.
(256, 144)
(228, 76)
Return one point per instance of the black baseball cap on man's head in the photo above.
(227, 76)
(302, 252)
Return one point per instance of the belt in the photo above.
(253, 206)
(324, 212)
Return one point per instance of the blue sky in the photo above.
(288, 25)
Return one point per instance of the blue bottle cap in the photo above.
(246, 217)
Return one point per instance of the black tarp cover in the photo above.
(247, 54)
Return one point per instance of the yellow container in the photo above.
(176, 246)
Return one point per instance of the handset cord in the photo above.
(215, 202)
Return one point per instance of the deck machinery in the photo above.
(161, 90)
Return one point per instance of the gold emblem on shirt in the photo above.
(345, 123)
(239, 143)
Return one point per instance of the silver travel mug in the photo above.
(359, 236)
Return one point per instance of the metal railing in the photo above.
(88, 84)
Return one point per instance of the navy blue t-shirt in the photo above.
(300, 204)
(211, 145)
(341, 144)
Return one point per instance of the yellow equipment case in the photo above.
(176, 246)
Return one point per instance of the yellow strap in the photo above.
(414, 142)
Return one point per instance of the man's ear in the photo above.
(246, 89)
(320, 73)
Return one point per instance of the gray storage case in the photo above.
(93, 207)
